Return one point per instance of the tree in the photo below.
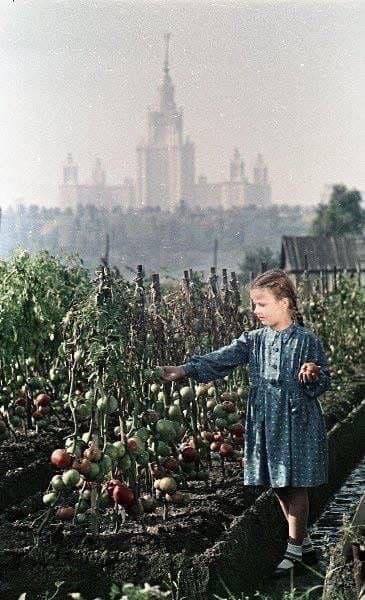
(253, 260)
(342, 216)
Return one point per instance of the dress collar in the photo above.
(284, 333)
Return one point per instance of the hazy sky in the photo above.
(283, 78)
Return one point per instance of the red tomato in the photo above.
(42, 400)
(61, 459)
(226, 450)
(189, 454)
(123, 495)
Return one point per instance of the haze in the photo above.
(284, 79)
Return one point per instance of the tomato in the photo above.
(71, 478)
(123, 495)
(65, 513)
(189, 454)
(61, 459)
(94, 471)
(187, 393)
(176, 498)
(111, 484)
(214, 446)
(120, 447)
(229, 406)
(148, 503)
(135, 444)
(57, 483)
(226, 450)
(50, 499)
(42, 400)
(237, 429)
(93, 453)
(83, 466)
(167, 484)
(166, 430)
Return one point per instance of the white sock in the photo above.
(293, 551)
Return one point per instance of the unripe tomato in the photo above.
(167, 484)
(71, 478)
(57, 483)
(187, 393)
(50, 499)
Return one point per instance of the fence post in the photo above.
(334, 278)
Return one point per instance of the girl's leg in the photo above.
(282, 496)
(298, 513)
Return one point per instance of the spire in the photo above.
(167, 100)
(167, 42)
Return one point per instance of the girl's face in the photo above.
(267, 308)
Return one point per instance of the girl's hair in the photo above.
(282, 287)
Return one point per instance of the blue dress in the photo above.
(286, 439)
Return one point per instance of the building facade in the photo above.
(96, 192)
(166, 160)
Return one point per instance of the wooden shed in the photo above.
(323, 255)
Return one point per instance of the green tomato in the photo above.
(83, 411)
(111, 450)
(120, 449)
(50, 499)
(166, 430)
(105, 464)
(71, 478)
(57, 483)
(143, 433)
(94, 471)
(219, 411)
(175, 413)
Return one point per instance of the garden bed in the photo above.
(211, 538)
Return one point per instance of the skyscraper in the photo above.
(166, 162)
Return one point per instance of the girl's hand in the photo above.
(173, 373)
(308, 372)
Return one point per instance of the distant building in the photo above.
(96, 192)
(166, 161)
(319, 253)
(166, 169)
(166, 164)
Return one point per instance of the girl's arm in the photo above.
(317, 355)
(218, 364)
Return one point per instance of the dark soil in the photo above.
(144, 550)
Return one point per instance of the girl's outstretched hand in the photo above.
(173, 373)
(308, 372)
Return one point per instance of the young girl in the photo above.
(286, 442)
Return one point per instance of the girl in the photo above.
(286, 441)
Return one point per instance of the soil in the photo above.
(144, 550)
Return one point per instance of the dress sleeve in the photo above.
(219, 363)
(317, 355)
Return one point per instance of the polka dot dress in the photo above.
(286, 440)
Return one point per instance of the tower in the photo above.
(70, 171)
(98, 174)
(166, 163)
